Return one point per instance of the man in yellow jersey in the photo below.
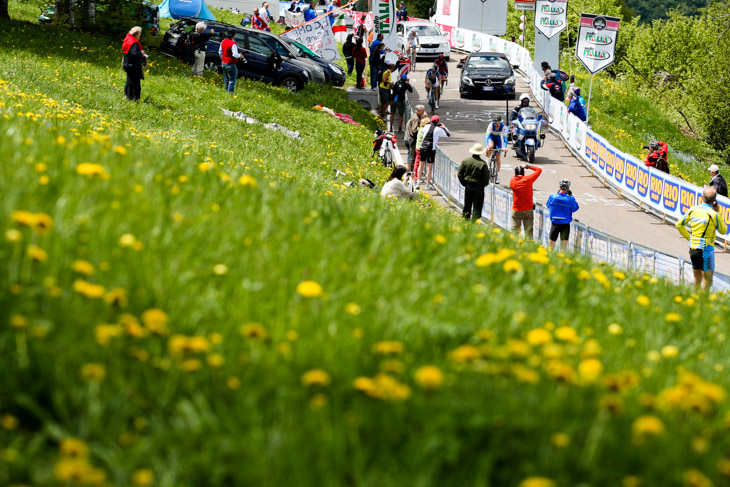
(704, 221)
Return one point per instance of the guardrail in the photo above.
(584, 239)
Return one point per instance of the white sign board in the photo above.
(524, 4)
(316, 35)
(551, 17)
(596, 47)
(384, 20)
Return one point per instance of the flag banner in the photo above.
(551, 17)
(316, 35)
(596, 47)
(384, 20)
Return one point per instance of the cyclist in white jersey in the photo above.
(413, 41)
(494, 139)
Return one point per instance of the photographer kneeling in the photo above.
(395, 187)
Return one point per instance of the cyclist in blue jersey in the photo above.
(495, 138)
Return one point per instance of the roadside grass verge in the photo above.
(189, 300)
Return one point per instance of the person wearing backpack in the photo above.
(385, 85)
(398, 101)
(197, 41)
(553, 86)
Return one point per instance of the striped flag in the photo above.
(339, 25)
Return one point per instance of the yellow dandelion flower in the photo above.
(192, 365)
(117, 297)
(93, 372)
(537, 482)
(37, 254)
(512, 265)
(590, 369)
(120, 150)
(215, 360)
(220, 269)
(695, 478)
(539, 336)
(105, 333)
(560, 440)
(89, 290)
(648, 425)
(567, 334)
(429, 377)
(309, 289)
(247, 180)
(464, 354)
(83, 267)
(316, 377)
(74, 448)
(91, 170)
(440, 239)
(9, 422)
(254, 331)
(18, 322)
(155, 320)
(615, 329)
(388, 348)
(670, 351)
(143, 478)
(13, 236)
(643, 300)
(353, 309)
(673, 317)
(538, 257)
(233, 383)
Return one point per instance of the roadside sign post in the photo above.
(596, 46)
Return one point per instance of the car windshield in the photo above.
(528, 113)
(302, 49)
(487, 62)
(426, 30)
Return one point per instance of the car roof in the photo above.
(413, 23)
(495, 54)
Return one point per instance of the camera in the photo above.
(647, 147)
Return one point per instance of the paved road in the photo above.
(600, 208)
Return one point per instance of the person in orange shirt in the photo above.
(523, 214)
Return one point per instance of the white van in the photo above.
(430, 37)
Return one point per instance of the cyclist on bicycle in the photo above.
(443, 69)
(413, 43)
(494, 140)
(432, 82)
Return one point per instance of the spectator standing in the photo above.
(523, 206)
(334, 5)
(395, 187)
(411, 132)
(432, 133)
(259, 21)
(133, 63)
(385, 85)
(574, 105)
(553, 85)
(265, 11)
(403, 13)
(562, 205)
(545, 68)
(228, 51)
(398, 102)
(198, 40)
(360, 55)
(474, 176)
(705, 222)
(310, 13)
(418, 165)
(347, 49)
(375, 61)
(718, 181)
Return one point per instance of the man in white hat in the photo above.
(474, 176)
(717, 181)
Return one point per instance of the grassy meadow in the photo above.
(190, 300)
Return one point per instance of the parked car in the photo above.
(332, 72)
(432, 40)
(263, 62)
(151, 16)
(282, 47)
(487, 73)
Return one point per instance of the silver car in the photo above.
(430, 38)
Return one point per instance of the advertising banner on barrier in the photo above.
(596, 47)
(551, 17)
(316, 35)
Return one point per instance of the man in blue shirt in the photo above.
(310, 13)
(562, 206)
(403, 12)
(331, 13)
(375, 61)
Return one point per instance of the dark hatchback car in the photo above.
(332, 72)
(487, 73)
(263, 62)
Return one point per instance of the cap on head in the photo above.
(403, 76)
(435, 119)
(713, 168)
(564, 184)
(576, 91)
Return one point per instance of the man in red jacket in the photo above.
(522, 205)
(230, 56)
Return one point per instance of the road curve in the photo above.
(467, 120)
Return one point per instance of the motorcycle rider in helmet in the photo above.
(524, 103)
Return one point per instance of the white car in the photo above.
(430, 37)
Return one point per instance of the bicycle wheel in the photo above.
(431, 101)
(493, 167)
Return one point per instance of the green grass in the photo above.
(295, 316)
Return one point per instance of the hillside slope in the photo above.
(186, 299)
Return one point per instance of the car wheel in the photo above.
(291, 84)
(212, 64)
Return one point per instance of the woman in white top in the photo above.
(395, 186)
